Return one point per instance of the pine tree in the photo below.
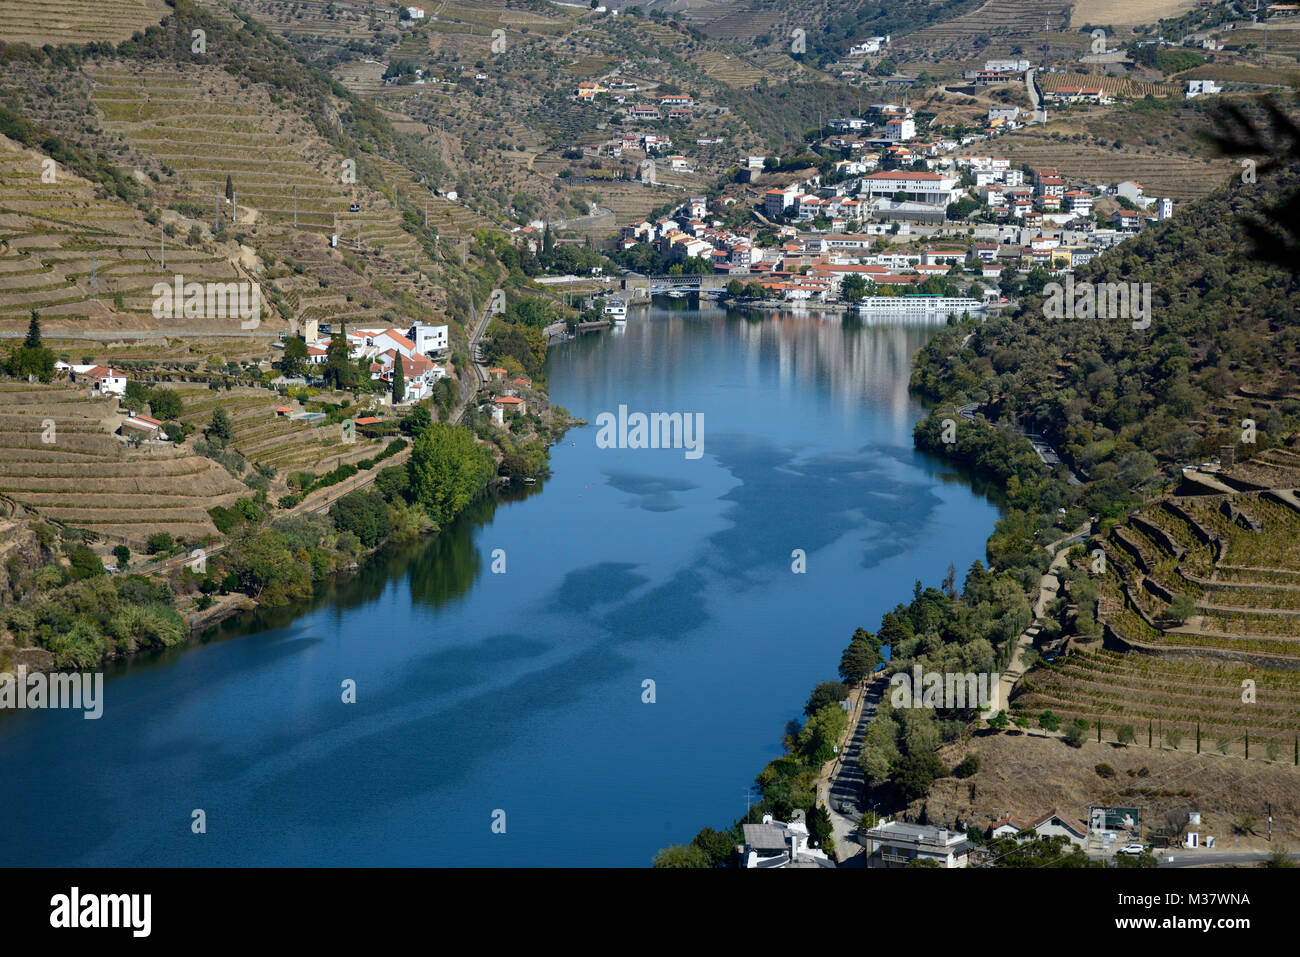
(33, 340)
(230, 187)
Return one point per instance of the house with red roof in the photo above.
(103, 380)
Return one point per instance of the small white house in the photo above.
(428, 338)
(103, 381)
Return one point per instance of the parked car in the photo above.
(1133, 850)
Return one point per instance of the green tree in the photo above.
(820, 830)
(718, 845)
(33, 340)
(165, 404)
(339, 371)
(294, 361)
(447, 469)
(85, 563)
(828, 692)
(159, 542)
(1125, 734)
(915, 774)
(681, 855)
(122, 555)
(399, 382)
(1182, 608)
(1076, 733)
(853, 287)
(220, 431)
(417, 420)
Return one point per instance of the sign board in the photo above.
(1112, 818)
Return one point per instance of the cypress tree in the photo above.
(33, 340)
(399, 382)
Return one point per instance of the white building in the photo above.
(103, 381)
(416, 13)
(1198, 87)
(1165, 208)
(1132, 191)
(869, 46)
(920, 187)
(778, 844)
(900, 129)
(895, 844)
(777, 201)
(428, 338)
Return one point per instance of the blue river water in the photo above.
(517, 697)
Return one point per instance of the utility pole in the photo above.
(216, 212)
(234, 207)
(426, 210)
(162, 248)
(94, 274)
(295, 207)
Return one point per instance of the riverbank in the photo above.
(562, 598)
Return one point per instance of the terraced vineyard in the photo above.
(73, 257)
(1236, 556)
(263, 438)
(38, 22)
(1117, 688)
(1114, 86)
(203, 125)
(135, 492)
(1177, 175)
(998, 25)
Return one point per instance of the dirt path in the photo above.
(1048, 588)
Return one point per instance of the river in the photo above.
(518, 697)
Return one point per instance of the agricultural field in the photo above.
(993, 30)
(39, 22)
(1169, 695)
(263, 438)
(203, 125)
(1112, 86)
(1127, 13)
(1182, 176)
(89, 479)
(84, 261)
(1234, 558)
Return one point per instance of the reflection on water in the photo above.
(522, 691)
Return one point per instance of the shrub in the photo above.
(968, 767)
(159, 542)
(1104, 770)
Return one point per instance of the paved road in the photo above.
(846, 782)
